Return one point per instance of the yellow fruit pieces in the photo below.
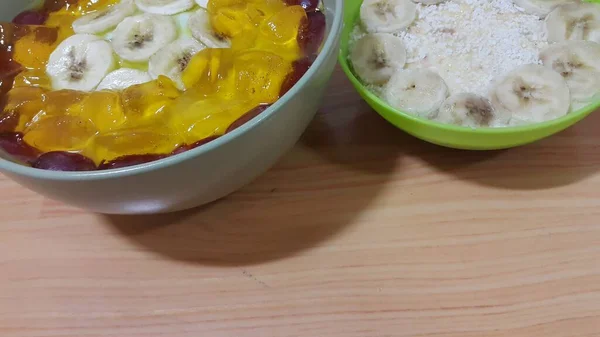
(259, 75)
(259, 24)
(196, 119)
(84, 7)
(60, 133)
(145, 102)
(102, 124)
(156, 117)
(33, 78)
(63, 22)
(279, 34)
(27, 103)
(103, 108)
(63, 19)
(131, 141)
(33, 50)
(210, 71)
(254, 75)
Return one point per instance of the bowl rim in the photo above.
(508, 130)
(328, 46)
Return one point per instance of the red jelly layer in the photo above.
(64, 161)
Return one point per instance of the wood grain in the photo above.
(361, 231)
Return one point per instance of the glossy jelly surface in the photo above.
(273, 43)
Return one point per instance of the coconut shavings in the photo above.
(470, 42)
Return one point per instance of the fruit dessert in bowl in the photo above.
(475, 74)
(178, 102)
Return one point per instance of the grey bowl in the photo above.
(204, 174)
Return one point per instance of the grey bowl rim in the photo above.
(327, 50)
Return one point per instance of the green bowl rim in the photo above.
(343, 60)
(330, 43)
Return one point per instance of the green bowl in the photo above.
(450, 135)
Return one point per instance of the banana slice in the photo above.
(139, 37)
(576, 21)
(104, 20)
(80, 62)
(123, 78)
(164, 7)
(387, 16)
(531, 93)
(472, 110)
(201, 28)
(375, 57)
(579, 64)
(172, 59)
(540, 8)
(202, 3)
(419, 92)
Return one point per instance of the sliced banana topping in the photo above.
(419, 92)
(104, 20)
(172, 59)
(531, 93)
(540, 8)
(137, 38)
(164, 7)
(579, 64)
(80, 62)
(387, 16)
(201, 28)
(575, 21)
(375, 57)
(123, 78)
(472, 110)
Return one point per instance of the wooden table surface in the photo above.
(360, 231)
